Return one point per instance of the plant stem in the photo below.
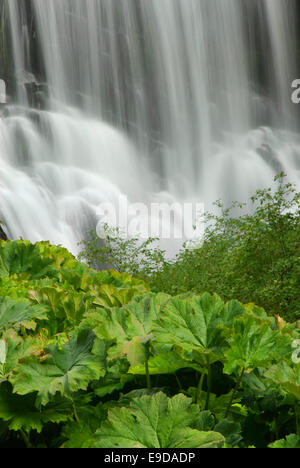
(208, 384)
(276, 428)
(178, 381)
(199, 389)
(148, 379)
(234, 392)
(297, 420)
(75, 412)
(25, 439)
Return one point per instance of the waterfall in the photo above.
(177, 100)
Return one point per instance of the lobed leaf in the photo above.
(65, 371)
(154, 422)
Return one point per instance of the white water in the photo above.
(156, 99)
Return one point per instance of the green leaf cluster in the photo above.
(97, 359)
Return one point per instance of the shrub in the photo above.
(252, 256)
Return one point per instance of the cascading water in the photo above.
(160, 100)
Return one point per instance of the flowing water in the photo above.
(159, 100)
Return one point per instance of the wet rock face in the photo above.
(5, 48)
(34, 67)
(3, 236)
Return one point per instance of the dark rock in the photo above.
(3, 236)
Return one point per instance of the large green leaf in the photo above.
(205, 422)
(19, 313)
(110, 383)
(135, 319)
(108, 295)
(66, 370)
(65, 309)
(230, 430)
(22, 257)
(254, 344)
(291, 441)
(90, 417)
(21, 413)
(163, 363)
(116, 375)
(265, 394)
(85, 279)
(154, 422)
(288, 377)
(129, 328)
(18, 349)
(195, 327)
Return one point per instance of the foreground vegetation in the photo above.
(97, 359)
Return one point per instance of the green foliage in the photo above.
(291, 441)
(252, 257)
(249, 252)
(155, 422)
(288, 376)
(254, 345)
(18, 258)
(95, 359)
(21, 412)
(231, 431)
(65, 370)
(13, 313)
(195, 327)
(124, 254)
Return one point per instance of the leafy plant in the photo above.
(287, 376)
(65, 370)
(123, 254)
(249, 252)
(95, 359)
(291, 441)
(155, 422)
